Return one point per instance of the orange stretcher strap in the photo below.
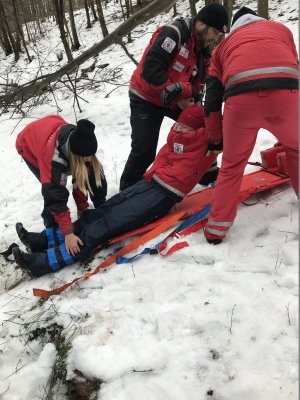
(109, 261)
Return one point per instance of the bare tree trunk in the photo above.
(76, 43)
(35, 14)
(228, 4)
(263, 8)
(69, 36)
(128, 12)
(5, 43)
(88, 19)
(93, 10)
(175, 10)
(36, 86)
(19, 29)
(59, 12)
(193, 8)
(3, 19)
(101, 18)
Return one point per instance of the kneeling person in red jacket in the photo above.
(177, 168)
(54, 149)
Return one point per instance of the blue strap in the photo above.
(154, 250)
(146, 250)
(52, 259)
(60, 236)
(50, 237)
(193, 218)
(68, 259)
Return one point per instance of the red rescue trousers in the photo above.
(244, 114)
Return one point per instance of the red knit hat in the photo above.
(192, 116)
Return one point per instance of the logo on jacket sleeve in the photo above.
(178, 148)
(184, 52)
(63, 179)
(178, 66)
(168, 44)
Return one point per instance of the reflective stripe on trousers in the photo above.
(217, 229)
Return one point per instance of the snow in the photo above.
(220, 318)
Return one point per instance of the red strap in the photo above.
(193, 228)
(109, 261)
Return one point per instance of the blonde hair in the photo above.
(79, 171)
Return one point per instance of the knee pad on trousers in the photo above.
(58, 257)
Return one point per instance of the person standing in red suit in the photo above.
(171, 71)
(255, 71)
(52, 150)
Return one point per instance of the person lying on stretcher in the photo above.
(177, 168)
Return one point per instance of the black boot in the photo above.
(31, 240)
(214, 241)
(210, 176)
(35, 263)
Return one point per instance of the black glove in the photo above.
(215, 148)
(170, 93)
(197, 96)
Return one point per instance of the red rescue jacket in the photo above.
(256, 55)
(174, 54)
(181, 162)
(45, 144)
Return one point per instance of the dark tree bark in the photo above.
(59, 13)
(36, 86)
(4, 39)
(93, 10)
(76, 43)
(88, 19)
(13, 43)
(263, 8)
(193, 8)
(128, 12)
(228, 4)
(19, 28)
(101, 18)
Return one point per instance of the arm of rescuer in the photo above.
(213, 106)
(54, 180)
(157, 61)
(80, 198)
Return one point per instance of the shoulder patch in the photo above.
(178, 148)
(168, 44)
(63, 179)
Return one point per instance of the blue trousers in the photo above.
(136, 206)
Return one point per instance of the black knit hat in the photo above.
(83, 141)
(241, 12)
(214, 15)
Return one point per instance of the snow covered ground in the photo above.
(207, 322)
